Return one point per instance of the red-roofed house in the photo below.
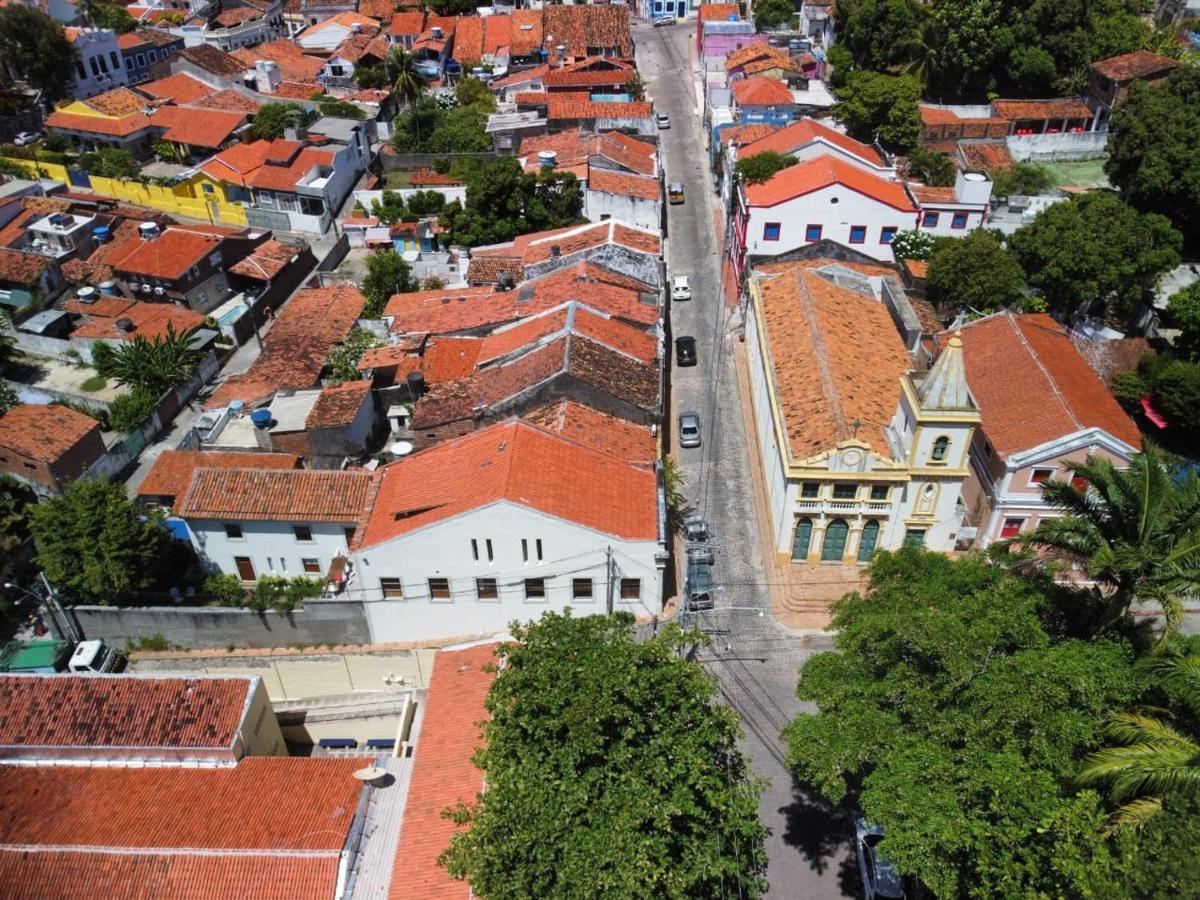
(169, 477)
(448, 527)
(1042, 406)
(1111, 79)
(762, 99)
(48, 447)
(324, 426)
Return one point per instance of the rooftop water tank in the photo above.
(261, 418)
(102, 234)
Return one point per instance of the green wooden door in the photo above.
(870, 537)
(834, 547)
(801, 540)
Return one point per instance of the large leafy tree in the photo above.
(1152, 141)
(1096, 249)
(956, 716)
(883, 107)
(149, 366)
(761, 166)
(974, 272)
(769, 14)
(387, 274)
(93, 545)
(503, 201)
(611, 771)
(273, 118)
(35, 47)
(1156, 752)
(1135, 532)
(1184, 311)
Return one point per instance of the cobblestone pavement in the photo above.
(754, 658)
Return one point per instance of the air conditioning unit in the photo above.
(158, 290)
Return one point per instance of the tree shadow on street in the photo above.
(822, 832)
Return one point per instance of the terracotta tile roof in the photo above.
(526, 32)
(717, 12)
(918, 268)
(364, 45)
(381, 10)
(925, 194)
(275, 495)
(575, 148)
(1139, 64)
(802, 133)
(490, 269)
(407, 24)
(770, 64)
(602, 289)
(338, 405)
(44, 433)
(1110, 358)
(168, 256)
(609, 182)
(215, 61)
(122, 127)
(524, 77)
(208, 129)
(443, 775)
(345, 20)
(228, 99)
(294, 351)
(468, 39)
(179, 88)
(274, 165)
(761, 92)
(818, 336)
(751, 52)
(1032, 386)
(104, 305)
(519, 335)
(542, 97)
(742, 135)
(814, 174)
(991, 157)
(119, 102)
(148, 320)
(241, 822)
(122, 711)
(597, 430)
(583, 28)
(1055, 108)
(266, 261)
(293, 64)
(515, 462)
(430, 178)
(172, 471)
(435, 299)
(20, 268)
(297, 90)
(228, 18)
(937, 115)
(574, 77)
(586, 109)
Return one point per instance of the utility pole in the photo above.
(608, 572)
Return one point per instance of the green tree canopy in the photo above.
(1095, 249)
(770, 14)
(611, 770)
(958, 716)
(1176, 386)
(976, 272)
(387, 274)
(1022, 180)
(1183, 311)
(92, 544)
(342, 363)
(934, 169)
(1152, 141)
(35, 46)
(273, 118)
(503, 201)
(470, 91)
(761, 166)
(881, 106)
(427, 127)
(150, 366)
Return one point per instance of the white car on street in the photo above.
(26, 138)
(680, 288)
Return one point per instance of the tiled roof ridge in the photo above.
(1016, 327)
(121, 850)
(820, 353)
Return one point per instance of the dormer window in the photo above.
(940, 447)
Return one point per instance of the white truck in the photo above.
(92, 656)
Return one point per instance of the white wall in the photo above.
(819, 208)
(945, 224)
(598, 206)
(772, 455)
(97, 47)
(443, 550)
(271, 546)
(327, 38)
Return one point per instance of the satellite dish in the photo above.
(370, 773)
(401, 448)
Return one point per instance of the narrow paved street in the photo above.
(754, 658)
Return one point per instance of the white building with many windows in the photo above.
(502, 525)
(859, 452)
(98, 65)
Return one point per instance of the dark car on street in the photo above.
(685, 350)
(879, 877)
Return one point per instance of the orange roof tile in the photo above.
(168, 256)
(172, 471)
(584, 27)
(525, 76)
(230, 100)
(597, 430)
(21, 268)
(148, 320)
(586, 109)
(575, 148)
(814, 174)
(992, 156)
(1032, 385)
(515, 462)
(44, 433)
(526, 32)
(280, 495)
(179, 88)
(717, 12)
(297, 90)
(442, 297)
(575, 77)
(1139, 64)
(214, 60)
(380, 10)
(804, 132)
(1054, 108)
(338, 405)
(407, 23)
(609, 182)
(761, 92)
(118, 102)
(293, 64)
(443, 774)
(266, 261)
(104, 305)
(818, 335)
(208, 129)
(122, 127)
(743, 135)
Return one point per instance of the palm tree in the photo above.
(921, 52)
(1133, 531)
(1155, 757)
(152, 366)
(400, 67)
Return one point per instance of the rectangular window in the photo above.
(116, 63)
(887, 234)
(1011, 527)
(439, 588)
(844, 491)
(914, 537)
(524, 550)
(141, 60)
(959, 221)
(488, 545)
(581, 589)
(311, 566)
(771, 231)
(95, 68)
(392, 588)
(233, 531)
(535, 588)
(631, 588)
(858, 234)
(930, 220)
(1041, 476)
(485, 589)
(812, 232)
(153, 55)
(538, 544)
(103, 64)
(303, 533)
(879, 492)
(810, 489)
(1079, 482)
(474, 549)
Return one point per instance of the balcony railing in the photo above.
(843, 507)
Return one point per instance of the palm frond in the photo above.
(1136, 813)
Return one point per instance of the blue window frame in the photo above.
(959, 220)
(858, 234)
(812, 232)
(771, 231)
(930, 220)
(887, 234)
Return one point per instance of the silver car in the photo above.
(879, 877)
(681, 288)
(689, 429)
(663, 120)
